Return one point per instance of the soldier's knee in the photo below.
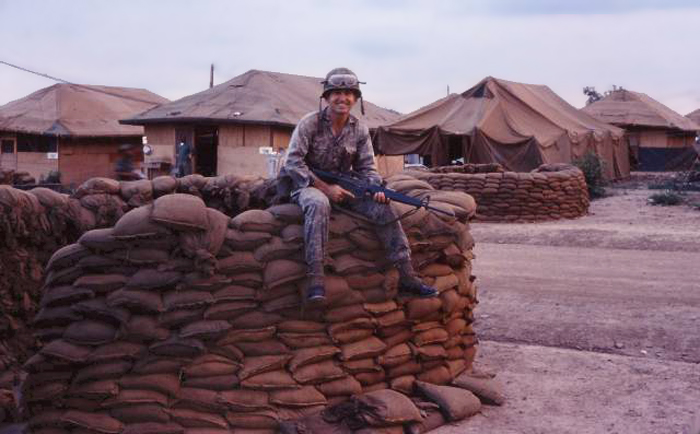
(313, 200)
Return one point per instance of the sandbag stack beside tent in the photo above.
(180, 317)
(550, 192)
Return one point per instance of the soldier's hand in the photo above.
(380, 197)
(338, 194)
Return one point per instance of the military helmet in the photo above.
(341, 79)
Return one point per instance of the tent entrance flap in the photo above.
(206, 144)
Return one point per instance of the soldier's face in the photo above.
(341, 101)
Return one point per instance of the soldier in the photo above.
(334, 140)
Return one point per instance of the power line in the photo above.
(40, 74)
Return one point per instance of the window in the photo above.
(8, 146)
(35, 143)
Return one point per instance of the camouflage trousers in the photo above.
(317, 210)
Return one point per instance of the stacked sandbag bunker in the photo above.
(181, 319)
(550, 192)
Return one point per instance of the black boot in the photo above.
(410, 284)
(413, 286)
(316, 294)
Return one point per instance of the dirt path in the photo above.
(592, 324)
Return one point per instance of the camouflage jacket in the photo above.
(314, 146)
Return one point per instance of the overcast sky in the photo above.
(408, 52)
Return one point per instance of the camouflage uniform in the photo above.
(314, 145)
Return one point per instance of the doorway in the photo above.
(206, 144)
(455, 149)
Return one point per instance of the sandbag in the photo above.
(180, 212)
(456, 404)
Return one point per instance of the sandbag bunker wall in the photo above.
(550, 192)
(180, 317)
(36, 223)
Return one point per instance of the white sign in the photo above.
(52, 155)
(266, 150)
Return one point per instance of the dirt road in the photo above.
(593, 325)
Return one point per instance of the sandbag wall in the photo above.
(180, 317)
(35, 223)
(550, 192)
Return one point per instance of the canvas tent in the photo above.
(658, 137)
(520, 126)
(71, 128)
(230, 122)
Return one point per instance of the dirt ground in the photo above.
(592, 325)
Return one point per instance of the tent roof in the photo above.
(694, 116)
(78, 110)
(260, 97)
(627, 108)
(508, 109)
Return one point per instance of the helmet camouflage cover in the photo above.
(341, 79)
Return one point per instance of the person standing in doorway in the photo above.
(184, 159)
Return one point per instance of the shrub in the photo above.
(592, 167)
(667, 198)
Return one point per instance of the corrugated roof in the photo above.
(255, 97)
(78, 110)
(626, 108)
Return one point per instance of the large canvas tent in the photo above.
(72, 128)
(520, 126)
(658, 137)
(230, 122)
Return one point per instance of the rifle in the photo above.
(362, 189)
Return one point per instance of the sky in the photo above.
(408, 52)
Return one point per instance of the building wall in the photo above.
(162, 139)
(653, 139)
(85, 158)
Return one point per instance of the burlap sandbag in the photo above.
(140, 413)
(67, 256)
(65, 295)
(272, 380)
(153, 428)
(318, 372)
(306, 356)
(306, 396)
(258, 365)
(181, 212)
(137, 224)
(386, 407)
(244, 400)
(100, 240)
(197, 419)
(369, 347)
(163, 185)
(281, 271)
(456, 404)
(97, 185)
(95, 421)
(256, 220)
(288, 213)
(211, 365)
(90, 332)
(488, 390)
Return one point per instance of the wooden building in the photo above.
(658, 138)
(71, 128)
(232, 125)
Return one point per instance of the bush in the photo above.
(592, 167)
(667, 198)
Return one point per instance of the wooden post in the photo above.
(211, 76)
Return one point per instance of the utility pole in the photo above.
(211, 76)
(448, 90)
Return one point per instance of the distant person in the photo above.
(124, 169)
(183, 160)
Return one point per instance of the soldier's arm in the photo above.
(295, 164)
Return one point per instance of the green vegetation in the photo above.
(667, 198)
(592, 167)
